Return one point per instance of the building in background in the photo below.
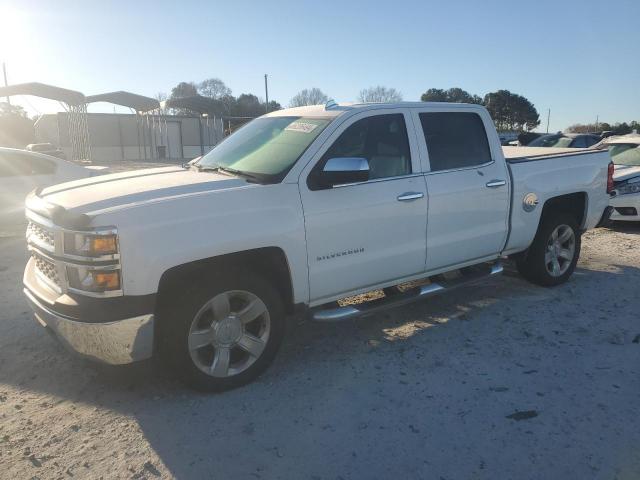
(120, 137)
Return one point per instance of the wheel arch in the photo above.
(575, 204)
(270, 262)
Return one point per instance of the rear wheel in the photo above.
(554, 253)
(224, 332)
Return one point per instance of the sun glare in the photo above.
(14, 34)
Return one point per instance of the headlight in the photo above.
(90, 244)
(628, 187)
(91, 279)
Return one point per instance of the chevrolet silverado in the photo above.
(297, 211)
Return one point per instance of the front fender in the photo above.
(159, 236)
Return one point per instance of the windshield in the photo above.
(266, 147)
(625, 154)
(559, 141)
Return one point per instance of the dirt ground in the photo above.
(504, 380)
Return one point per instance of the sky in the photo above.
(581, 59)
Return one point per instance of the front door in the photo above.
(468, 188)
(364, 234)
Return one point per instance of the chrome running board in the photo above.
(468, 276)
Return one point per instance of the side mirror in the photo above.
(343, 170)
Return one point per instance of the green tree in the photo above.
(622, 128)
(273, 106)
(248, 105)
(452, 95)
(184, 89)
(510, 111)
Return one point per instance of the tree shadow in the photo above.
(416, 391)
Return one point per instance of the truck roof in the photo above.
(336, 109)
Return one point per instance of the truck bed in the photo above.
(548, 173)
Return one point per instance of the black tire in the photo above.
(176, 318)
(532, 265)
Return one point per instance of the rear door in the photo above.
(468, 187)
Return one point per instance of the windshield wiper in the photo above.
(252, 177)
(202, 168)
(232, 171)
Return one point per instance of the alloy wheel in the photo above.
(229, 333)
(561, 248)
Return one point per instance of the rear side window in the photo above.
(381, 139)
(592, 141)
(455, 140)
(579, 142)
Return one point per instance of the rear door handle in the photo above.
(496, 183)
(408, 196)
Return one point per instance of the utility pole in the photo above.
(597, 118)
(6, 84)
(548, 118)
(266, 94)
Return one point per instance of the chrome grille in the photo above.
(40, 235)
(46, 268)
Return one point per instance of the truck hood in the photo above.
(625, 172)
(106, 192)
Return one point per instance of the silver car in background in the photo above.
(625, 153)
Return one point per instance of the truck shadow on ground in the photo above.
(625, 227)
(410, 392)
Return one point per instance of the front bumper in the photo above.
(626, 208)
(118, 342)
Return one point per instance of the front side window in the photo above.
(266, 147)
(381, 139)
(455, 140)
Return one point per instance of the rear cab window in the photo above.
(455, 140)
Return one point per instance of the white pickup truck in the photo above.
(297, 211)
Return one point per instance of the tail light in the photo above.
(610, 171)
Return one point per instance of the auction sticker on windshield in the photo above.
(302, 127)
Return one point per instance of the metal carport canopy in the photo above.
(139, 103)
(70, 97)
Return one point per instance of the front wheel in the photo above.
(224, 332)
(554, 253)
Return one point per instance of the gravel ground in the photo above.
(504, 380)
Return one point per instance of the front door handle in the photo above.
(408, 196)
(496, 183)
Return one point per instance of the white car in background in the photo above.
(22, 171)
(625, 153)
